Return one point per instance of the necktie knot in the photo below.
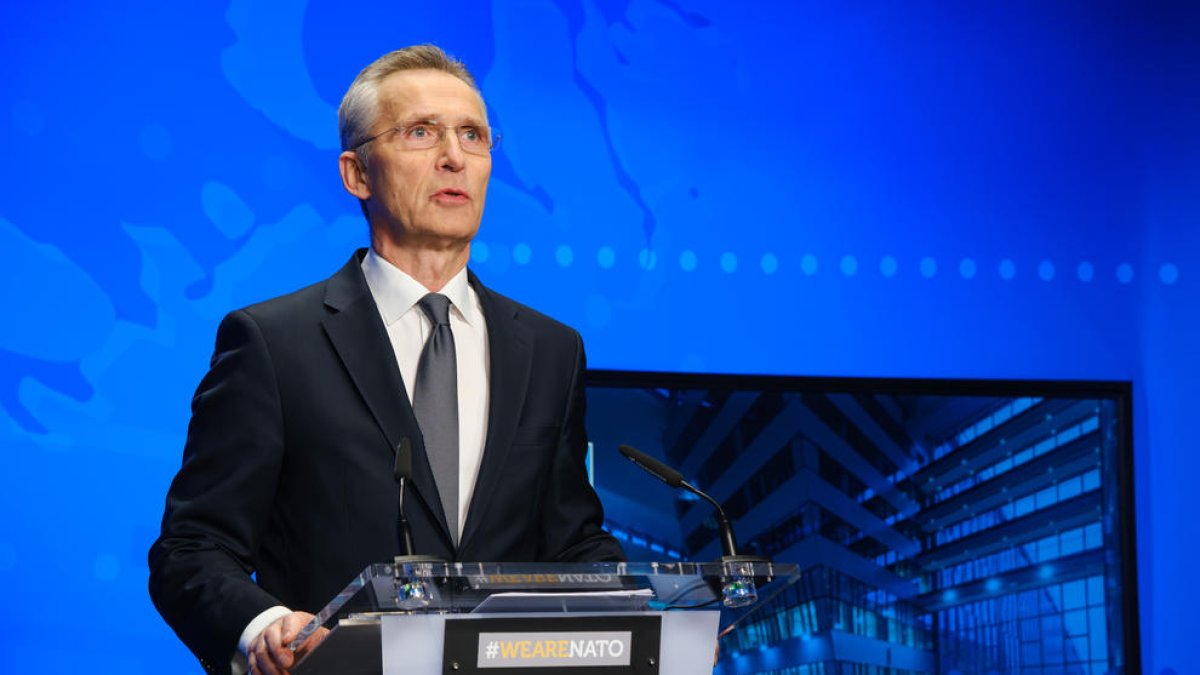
(437, 307)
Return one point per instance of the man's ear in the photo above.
(354, 174)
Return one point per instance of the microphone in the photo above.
(675, 479)
(412, 589)
(403, 474)
(655, 468)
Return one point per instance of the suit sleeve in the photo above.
(573, 516)
(220, 501)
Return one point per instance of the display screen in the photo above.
(946, 526)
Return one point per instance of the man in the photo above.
(288, 469)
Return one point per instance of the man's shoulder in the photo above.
(298, 303)
(309, 302)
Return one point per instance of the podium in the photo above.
(435, 618)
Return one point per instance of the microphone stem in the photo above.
(728, 543)
(405, 535)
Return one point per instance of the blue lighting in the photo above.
(1168, 273)
(769, 263)
(606, 257)
(928, 267)
(849, 265)
(522, 254)
(1008, 269)
(564, 256)
(1046, 270)
(1043, 151)
(967, 268)
(1086, 271)
(888, 266)
(809, 264)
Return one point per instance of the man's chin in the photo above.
(444, 236)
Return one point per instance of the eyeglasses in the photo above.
(424, 135)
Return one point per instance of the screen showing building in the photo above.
(941, 526)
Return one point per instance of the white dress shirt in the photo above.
(396, 295)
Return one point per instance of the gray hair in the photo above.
(360, 105)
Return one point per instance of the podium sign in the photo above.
(480, 644)
(434, 618)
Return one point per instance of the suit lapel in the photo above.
(510, 349)
(361, 341)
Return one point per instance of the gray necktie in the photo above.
(435, 403)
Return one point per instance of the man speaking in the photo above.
(287, 473)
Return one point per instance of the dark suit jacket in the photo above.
(288, 468)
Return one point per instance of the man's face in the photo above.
(429, 197)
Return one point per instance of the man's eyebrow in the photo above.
(465, 121)
(419, 117)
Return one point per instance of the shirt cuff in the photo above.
(257, 625)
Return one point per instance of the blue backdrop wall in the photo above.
(931, 189)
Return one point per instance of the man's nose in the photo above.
(453, 158)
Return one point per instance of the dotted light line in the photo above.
(848, 265)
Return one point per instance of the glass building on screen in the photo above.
(941, 527)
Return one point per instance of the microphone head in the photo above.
(403, 467)
(651, 465)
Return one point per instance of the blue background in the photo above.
(931, 189)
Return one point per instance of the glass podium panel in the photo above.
(736, 588)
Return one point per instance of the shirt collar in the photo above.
(396, 293)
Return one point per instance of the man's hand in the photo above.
(269, 653)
